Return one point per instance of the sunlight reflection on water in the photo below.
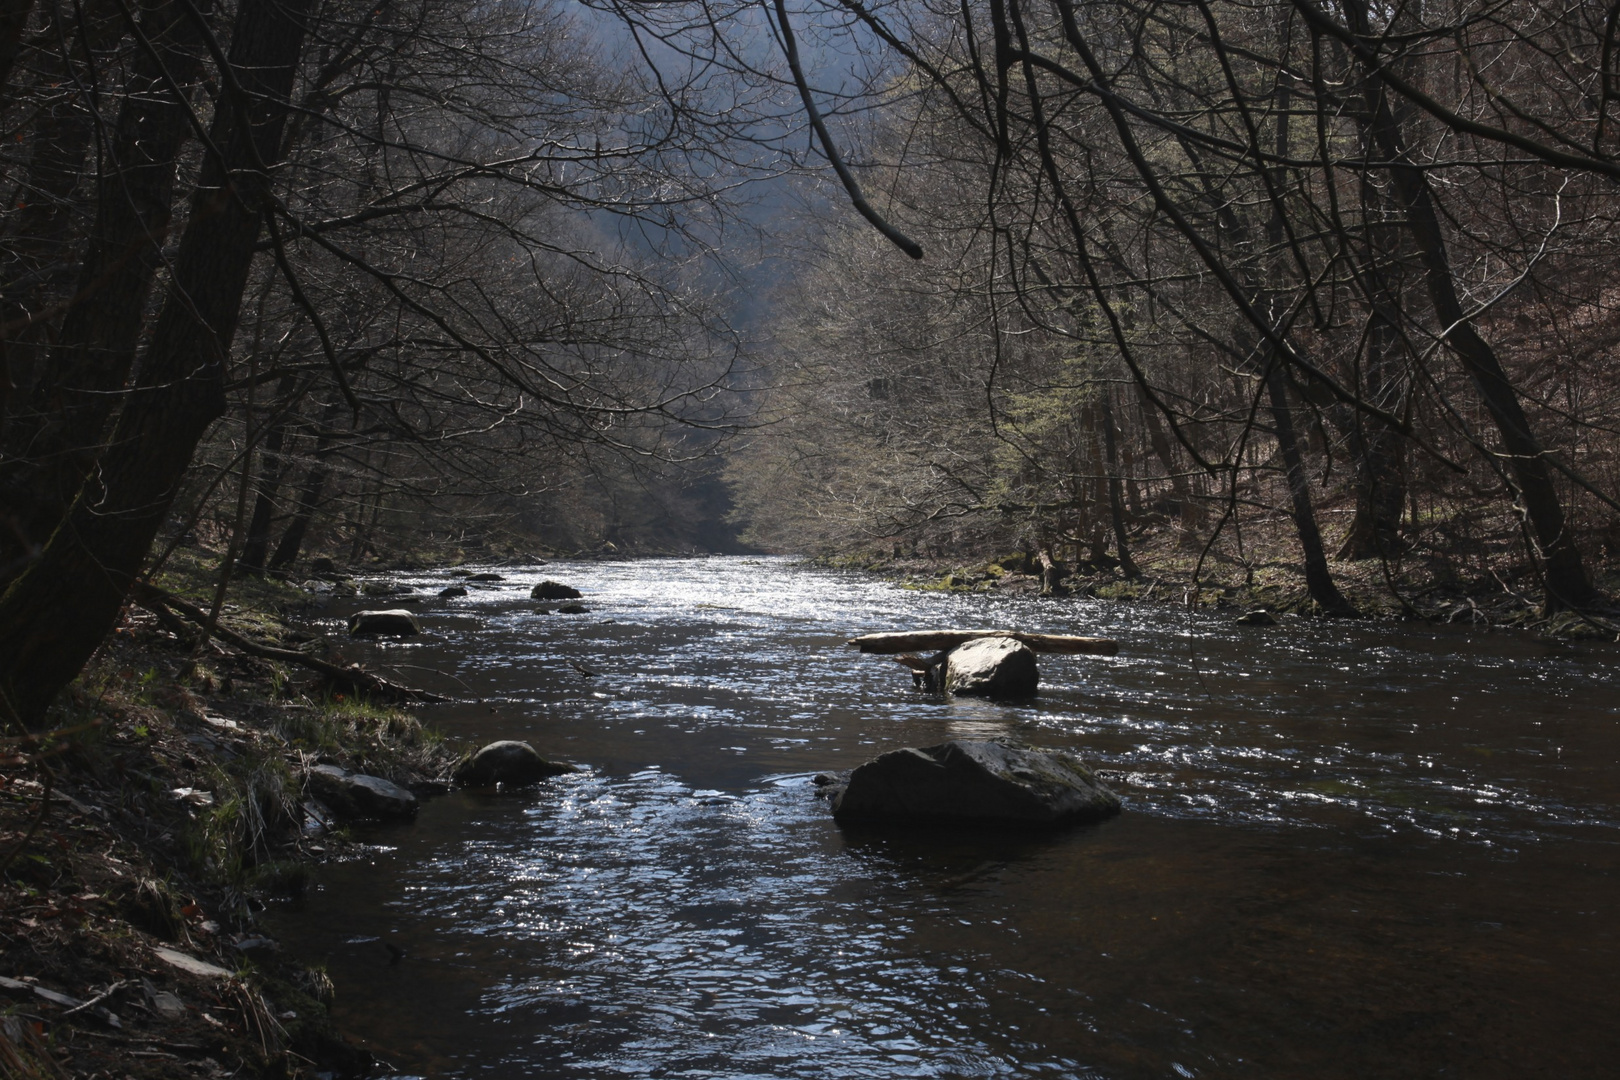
(1347, 850)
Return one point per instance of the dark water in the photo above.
(1347, 851)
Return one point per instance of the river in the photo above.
(1347, 850)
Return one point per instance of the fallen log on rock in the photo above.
(345, 680)
(942, 640)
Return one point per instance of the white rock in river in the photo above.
(998, 667)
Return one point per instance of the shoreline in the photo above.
(142, 834)
(1274, 586)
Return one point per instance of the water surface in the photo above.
(1346, 851)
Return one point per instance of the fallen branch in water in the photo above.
(352, 679)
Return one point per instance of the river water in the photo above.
(1346, 850)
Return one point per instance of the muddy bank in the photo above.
(143, 837)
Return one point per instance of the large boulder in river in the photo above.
(356, 795)
(395, 623)
(507, 762)
(554, 590)
(965, 781)
(997, 667)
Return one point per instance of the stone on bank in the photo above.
(356, 795)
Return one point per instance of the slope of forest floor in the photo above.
(139, 840)
(1422, 585)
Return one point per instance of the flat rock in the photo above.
(487, 577)
(554, 590)
(356, 795)
(453, 592)
(996, 667)
(508, 762)
(190, 964)
(394, 623)
(964, 781)
(1257, 617)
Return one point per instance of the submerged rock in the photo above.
(997, 667)
(356, 795)
(508, 762)
(965, 781)
(1257, 617)
(573, 609)
(486, 577)
(397, 623)
(453, 592)
(554, 590)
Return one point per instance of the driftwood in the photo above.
(941, 640)
(352, 679)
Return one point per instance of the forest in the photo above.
(383, 381)
(1090, 279)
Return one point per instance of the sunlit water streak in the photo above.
(1347, 850)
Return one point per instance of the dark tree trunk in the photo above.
(50, 454)
(1191, 514)
(1565, 573)
(1318, 579)
(54, 616)
(1380, 454)
(1116, 500)
(309, 497)
(256, 542)
(39, 257)
(13, 20)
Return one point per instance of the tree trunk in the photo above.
(39, 252)
(51, 454)
(1116, 500)
(54, 616)
(1318, 579)
(256, 544)
(1191, 513)
(13, 20)
(1566, 581)
(309, 497)
(1379, 453)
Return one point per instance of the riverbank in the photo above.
(142, 837)
(1419, 587)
